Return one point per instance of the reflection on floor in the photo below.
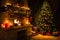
(42, 37)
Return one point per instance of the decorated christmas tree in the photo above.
(44, 19)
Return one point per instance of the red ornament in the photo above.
(30, 19)
(41, 32)
(48, 34)
(6, 25)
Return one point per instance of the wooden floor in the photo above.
(41, 37)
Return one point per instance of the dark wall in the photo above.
(55, 4)
(34, 6)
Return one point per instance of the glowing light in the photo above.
(3, 26)
(17, 5)
(19, 24)
(6, 24)
(8, 3)
(26, 20)
(15, 21)
(26, 8)
(10, 24)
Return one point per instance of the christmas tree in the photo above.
(44, 19)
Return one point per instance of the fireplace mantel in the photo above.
(11, 34)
